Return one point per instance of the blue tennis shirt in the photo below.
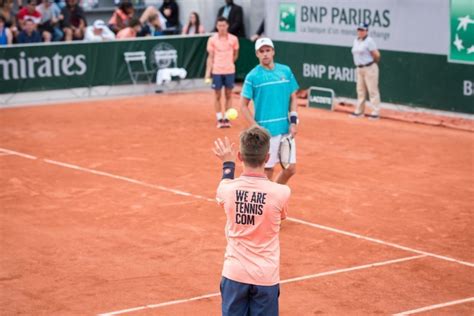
(270, 91)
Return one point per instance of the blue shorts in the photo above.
(241, 299)
(219, 81)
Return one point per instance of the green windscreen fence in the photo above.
(417, 79)
(60, 66)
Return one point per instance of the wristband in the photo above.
(228, 170)
(294, 118)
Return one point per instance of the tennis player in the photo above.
(254, 207)
(272, 87)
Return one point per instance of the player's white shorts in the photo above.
(274, 146)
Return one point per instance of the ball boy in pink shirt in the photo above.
(223, 50)
(254, 207)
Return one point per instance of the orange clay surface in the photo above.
(90, 223)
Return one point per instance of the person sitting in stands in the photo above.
(29, 33)
(48, 25)
(6, 10)
(73, 21)
(98, 32)
(131, 31)
(152, 27)
(194, 25)
(170, 10)
(6, 36)
(121, 16)
(29, 13)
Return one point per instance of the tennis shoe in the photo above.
(356, 115)
(374, 117)
(220, 123)
(227, 123)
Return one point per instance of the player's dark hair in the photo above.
(125, 5)
(222, 19)
(254, 146)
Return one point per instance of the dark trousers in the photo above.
(241, 299)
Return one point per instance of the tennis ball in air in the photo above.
(231, 114)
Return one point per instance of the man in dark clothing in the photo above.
(170, 10)
(74, 21)
(29, 34)
(235, 15)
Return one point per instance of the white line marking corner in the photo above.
(436, 306)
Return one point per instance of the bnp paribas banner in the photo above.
(81, 64)
(421, 59)
(399, 25)
(462, 31)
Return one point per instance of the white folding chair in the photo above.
(140, 58)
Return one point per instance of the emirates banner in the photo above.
(82, 64)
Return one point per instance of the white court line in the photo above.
(110, 175)
(378, 241)
(306, 277)
(151, 306)
(365, 266)
(431, 307)
(303, 222)
(11, 152)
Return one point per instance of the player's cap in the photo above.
(264, 41)
(363, 27)
(99, 24)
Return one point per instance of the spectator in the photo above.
(194, 25)
(73, 22)
(131, 31)
(6, 36)
(150, 10)
(152, 27)
(170, 11)
(6, 10)
(29, 34)
(48, 25)
(29, 13)
(234, 14)
(121, 16)
(60, 3)
(98, 32)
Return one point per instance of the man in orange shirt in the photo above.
(254, 207)
(223, 50)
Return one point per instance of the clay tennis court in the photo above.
(107, 208)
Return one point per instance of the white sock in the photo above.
(219, 116)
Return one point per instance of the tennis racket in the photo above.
(285, 150)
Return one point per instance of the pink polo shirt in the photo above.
(223, 49)
(254, 207)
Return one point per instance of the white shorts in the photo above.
(274, 146)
